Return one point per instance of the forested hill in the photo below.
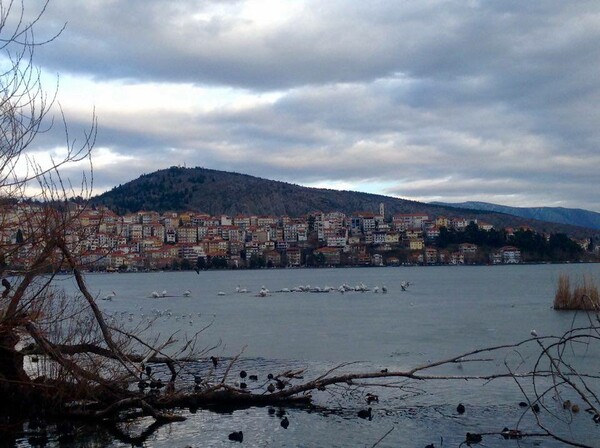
(219, 192)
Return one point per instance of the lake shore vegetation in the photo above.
(582, 296)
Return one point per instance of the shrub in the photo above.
(583, 296)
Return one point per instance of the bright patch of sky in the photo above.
(79, 92)
(367, 186)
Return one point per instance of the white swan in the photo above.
(187, 293)
(109, 296)
(164, 293)
(154, 295)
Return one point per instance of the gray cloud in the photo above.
(464, 100)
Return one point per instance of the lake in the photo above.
(444, 312)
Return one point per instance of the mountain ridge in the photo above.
(560, 215)
(220, 192)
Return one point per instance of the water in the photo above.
(446, 311)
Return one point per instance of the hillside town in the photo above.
(147, 240)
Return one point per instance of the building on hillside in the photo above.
(496, 257)
(337, 241)
(467, 248)
(364, 221)
(241, 221)
(510, 255)
(379, 238)
(187, 234)
(413, 233)
(226, 220)
(377, 260)
(431, 255)
(170, 235)
(392, 261)
(191, 251)
(457, 258)
(416, 244)
(431, 233)
(272, 258)
(294, 257)
(442, 221)
(406, 221)
(331, 254)
(485, 226)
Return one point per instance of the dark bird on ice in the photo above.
(473, 438)
(237, 436)
(371, 398)
(366, 413)
(460, 408)
(215, 361)
(285, 423)
(7, 287)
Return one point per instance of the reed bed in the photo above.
(581, 296)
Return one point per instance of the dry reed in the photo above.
(583, 296)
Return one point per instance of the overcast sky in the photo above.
(495, 101)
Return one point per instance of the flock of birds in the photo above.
(344, 288)
(164, 293)
(264, 292)
(167, 314)
(153, 295)
(276, 383)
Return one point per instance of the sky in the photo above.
(495, 101)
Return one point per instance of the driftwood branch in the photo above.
(127, 404)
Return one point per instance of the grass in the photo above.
(582, 296)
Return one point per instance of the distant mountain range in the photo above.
(220, 192)
(575, 216)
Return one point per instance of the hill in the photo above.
(220, 192)
(575, 216)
